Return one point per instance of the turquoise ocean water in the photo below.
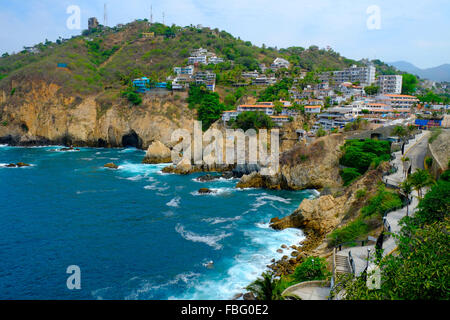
(135, 233)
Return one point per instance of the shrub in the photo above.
(313, 268)
(361, 193)
(349, 175)
(349, 233)
(253, 120)
(361, 155)
(383, 201)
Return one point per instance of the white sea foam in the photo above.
(221, 220)
(216, 192)
(138, 168)
(156, 187)
(147, 288)
(175, 202)
(246, 266)
(210, 240)
(5, 165)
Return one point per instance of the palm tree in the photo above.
(406, 187)
(400, 132)
(421, 179)
(266, 288)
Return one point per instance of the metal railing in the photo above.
(352, 263)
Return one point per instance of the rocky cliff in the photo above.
(322, 215)
(42, 115)
(313, 166)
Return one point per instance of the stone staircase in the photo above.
(342, 265)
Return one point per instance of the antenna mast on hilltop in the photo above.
(151, 14)
(105, 15)
(164, 18)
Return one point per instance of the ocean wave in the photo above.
(147, 288)
(175, 202)
(220, 220)
(5, 165)
(216, 192)
(155, 187)
(139, 168)
(210, 240)
(246, 266)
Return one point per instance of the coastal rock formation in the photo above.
(205, 191)
(157, 153)
(17, 165)
(43, 113)
(318, 215)
(256, 180)
(111, 166)
(322, 215)
(305, 166)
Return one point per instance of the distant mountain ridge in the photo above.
(439, 73)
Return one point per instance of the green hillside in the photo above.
(107, 58)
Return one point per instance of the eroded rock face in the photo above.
(45, 116)
(256, 180)
(322, 215)
(157, 153)
(311, 166)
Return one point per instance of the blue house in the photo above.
(161, 85)
(141, 84)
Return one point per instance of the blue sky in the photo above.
(414, 31)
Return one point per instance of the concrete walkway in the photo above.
(312, 293)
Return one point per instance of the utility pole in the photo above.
(164, 17)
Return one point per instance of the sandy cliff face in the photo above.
(42, 116)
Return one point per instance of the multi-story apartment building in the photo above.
(197, 59)
(263, 80)
(363, 75)
(336, 117)
(184, 70)
(398, 100)
(215, 60)
(390, 84)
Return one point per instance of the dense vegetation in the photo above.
(359, 156)
(207, 103)
(252, 120)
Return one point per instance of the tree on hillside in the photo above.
(409, 83)
(266, 288)
(372, 90)
(400, 132)
(420, 180)
(253, 120)
(209, 111)
(406, 187)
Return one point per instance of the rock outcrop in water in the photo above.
(157, 153)
(111, 166)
